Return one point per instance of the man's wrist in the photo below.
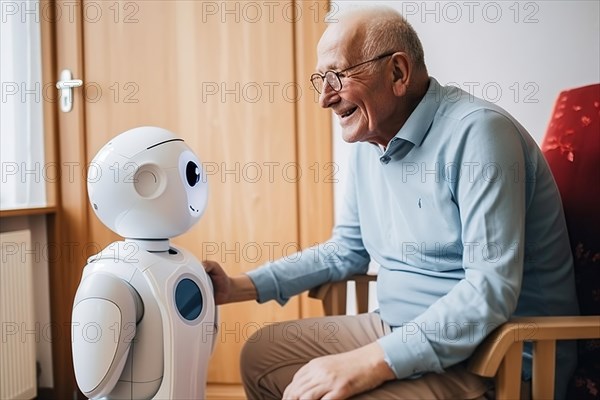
(381, 365)
(374, 356)
(242, 289)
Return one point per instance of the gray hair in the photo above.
(387, 30)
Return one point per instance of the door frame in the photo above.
(62, 38)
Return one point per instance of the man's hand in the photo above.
(220, 280)
(340, 376)
(227, 289)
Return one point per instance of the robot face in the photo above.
(194, 181)
(150, 186)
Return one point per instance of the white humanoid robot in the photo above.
(144, 317)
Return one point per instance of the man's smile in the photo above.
(347, 113)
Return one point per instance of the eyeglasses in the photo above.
(333, 78)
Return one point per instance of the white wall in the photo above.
(519, 55)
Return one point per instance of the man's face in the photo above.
(365, 104)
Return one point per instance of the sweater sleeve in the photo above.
(343, 255)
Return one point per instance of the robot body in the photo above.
(144, 317)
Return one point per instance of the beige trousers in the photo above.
(273, 354)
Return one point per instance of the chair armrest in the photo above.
(333, 294)
(500, 354)
(488, 356)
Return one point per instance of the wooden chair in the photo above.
(572, 147)
(500, 355)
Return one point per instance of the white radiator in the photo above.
(17, 329)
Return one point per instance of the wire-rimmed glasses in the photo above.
(333, 78)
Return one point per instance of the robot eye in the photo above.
(192, 173)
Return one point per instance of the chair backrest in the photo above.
(572, 148)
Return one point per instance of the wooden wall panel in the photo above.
(314, 141)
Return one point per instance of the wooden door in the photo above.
(230, 78)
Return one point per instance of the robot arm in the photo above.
(105, 314)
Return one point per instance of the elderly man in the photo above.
(450, 195)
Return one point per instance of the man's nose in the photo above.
(328, 96)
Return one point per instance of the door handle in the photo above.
(66, 85)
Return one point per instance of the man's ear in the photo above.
(401, 73)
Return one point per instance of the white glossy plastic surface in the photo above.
(92, 315)
(148, 186)
(139, 186)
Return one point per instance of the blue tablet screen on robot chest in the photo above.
(188, 299)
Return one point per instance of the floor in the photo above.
(214, 391)
(225, 392)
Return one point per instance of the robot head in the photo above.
(146, 183)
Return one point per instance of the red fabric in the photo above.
(572, 148)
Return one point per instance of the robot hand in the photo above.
(105, 315)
